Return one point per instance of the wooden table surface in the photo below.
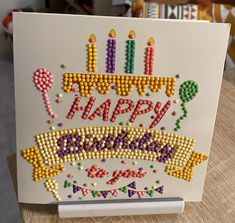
(218, 203)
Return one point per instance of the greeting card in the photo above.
(114, 108)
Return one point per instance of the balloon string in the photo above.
(48, 105)
(179, 120)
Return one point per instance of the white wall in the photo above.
(5, 7)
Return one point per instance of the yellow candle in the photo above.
(92, 54)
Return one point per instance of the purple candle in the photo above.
(111, 52)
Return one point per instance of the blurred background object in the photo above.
(226, 13)
(6, 7)
(7, 23)
(214, 11)
(90, 7)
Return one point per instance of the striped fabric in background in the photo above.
(217, 13)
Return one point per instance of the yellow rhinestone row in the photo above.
(33, 156)
(92, 58)
(187, 172)
(124, 84)
(52, 186)
(47, 144)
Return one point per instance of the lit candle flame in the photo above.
(112, 33)
(151, 41)
(132, 34)
(92, 38)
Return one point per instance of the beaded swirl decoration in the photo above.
(58, 147)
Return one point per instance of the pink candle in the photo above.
(149, 57)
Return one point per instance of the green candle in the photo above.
(130, 53)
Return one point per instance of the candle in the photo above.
(111, 52)
(149, 57)
(92, 54)
(130, 53)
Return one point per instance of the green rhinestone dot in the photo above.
(85, 184)
(79, 164)
(158, 181)
(74, 181)
(133, 43)
(151, 166)
(63, 66)
(121, 123)
(148, 94)
(177, 76)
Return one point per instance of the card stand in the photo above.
(174, 205)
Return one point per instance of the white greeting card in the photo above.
(114, 108)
